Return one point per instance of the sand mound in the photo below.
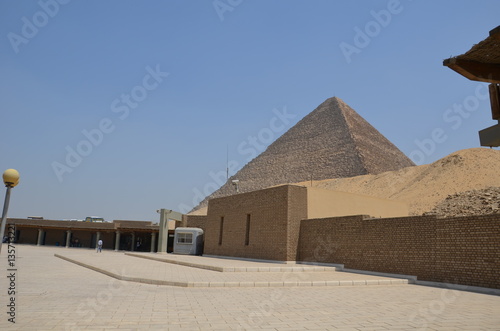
(423, 187)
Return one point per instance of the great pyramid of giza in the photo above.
(332, 141)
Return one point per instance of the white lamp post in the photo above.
(11, 179)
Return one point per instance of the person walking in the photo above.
(99, 246)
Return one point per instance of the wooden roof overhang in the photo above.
(482, 63)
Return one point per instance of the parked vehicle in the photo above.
(94, 219)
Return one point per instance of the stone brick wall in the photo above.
(195, 221)
(297, 211)
(275, 216)
(461, 250)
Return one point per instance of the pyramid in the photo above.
(332, 141)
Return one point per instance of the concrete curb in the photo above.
(411, 279)
(122, 277)
(281, 268)
(458, 287)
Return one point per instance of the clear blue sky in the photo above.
(148, 94)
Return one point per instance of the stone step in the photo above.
(346, 279)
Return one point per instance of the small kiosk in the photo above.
(188, 241)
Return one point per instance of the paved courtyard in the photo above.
(55, 294)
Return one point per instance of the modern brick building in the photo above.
(265, 224)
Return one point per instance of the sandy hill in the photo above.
(423, 187)
(333, 141)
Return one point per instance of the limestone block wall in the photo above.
(461, 250)
(327, 203)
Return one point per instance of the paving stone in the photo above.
(247, 284)
(55, 294)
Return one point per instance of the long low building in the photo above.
(117, 235)
(265, 224)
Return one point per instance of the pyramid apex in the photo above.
(333, 100)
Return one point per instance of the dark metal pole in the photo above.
(4, 215)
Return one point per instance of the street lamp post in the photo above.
(11, 179)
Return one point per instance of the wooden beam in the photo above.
(495, 101)
(481, 72)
